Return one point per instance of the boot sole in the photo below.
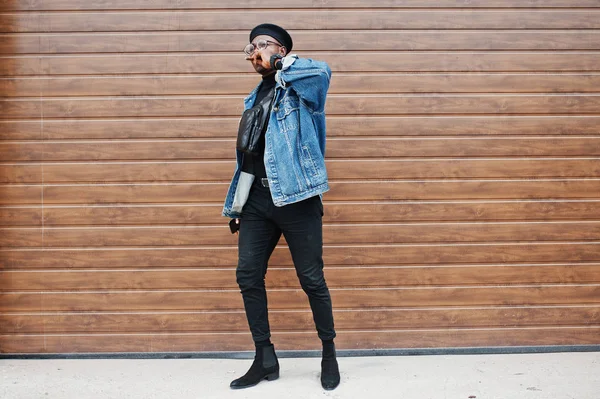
(268, 377)
(272, 376)
(330, 388)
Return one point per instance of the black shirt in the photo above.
(255, 164)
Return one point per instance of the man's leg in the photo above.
(302, 227)
(258, 237)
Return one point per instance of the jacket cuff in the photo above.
(286, 62)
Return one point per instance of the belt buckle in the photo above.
(264, 182)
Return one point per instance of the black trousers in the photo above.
(261, 226)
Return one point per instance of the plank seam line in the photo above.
(306, 332)
(308, 311)
(217, 32)
(370, 181)
(341, 95)
(124, 269)
(321, 52)
(220, 161)
(327, 202)
(348, 224)
(513, 9)
(297, 290)
(223, 247)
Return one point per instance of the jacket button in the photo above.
(275, 108)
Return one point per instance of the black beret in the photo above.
(276, 32)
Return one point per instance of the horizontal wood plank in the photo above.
(362, 62)
(337, 147)
(57, 5)
(340, 191)
(190, 342)
(220, 171)
(342, 255)
(19, 194)
(316, 19)
(21, 173)
(281, 320)
(296, 299)
(490, 125)
(342, 83)
(382, 211)
(334, 234)
(392, 40)
(382, 104)
(277, 278)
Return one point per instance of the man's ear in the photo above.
(283, 51)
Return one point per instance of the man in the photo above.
(277, 189)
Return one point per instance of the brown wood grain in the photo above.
(52, 5)
(21, 194)
(21, 215)
(462, 156)
(327, 40)
(465, 189)
(502, 168)
(463, 211)
(382, 104)
(340, 191)
(340, 126)
(340, 255)
(334, 234)
(326, 19)
(189, 342)
(277, 277)
(337, 147)
(362, 62)
(17, 174)
(281, 320)
(220, 171)
(335, 212)
(296, 298)
(342, 83)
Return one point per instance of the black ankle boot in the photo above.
(330, 372)
(264, 367)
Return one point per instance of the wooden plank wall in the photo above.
(463, 152)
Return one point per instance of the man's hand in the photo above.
(275, 61)
(257, 59)
(234, 226)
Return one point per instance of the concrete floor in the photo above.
(518, 376)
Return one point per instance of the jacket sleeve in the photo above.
(309, 79)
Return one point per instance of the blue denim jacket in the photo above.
(294, 139)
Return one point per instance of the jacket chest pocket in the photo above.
(288, 113)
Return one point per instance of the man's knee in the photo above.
(313, 284)
(249, 278)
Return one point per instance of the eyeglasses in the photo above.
(260, 45)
